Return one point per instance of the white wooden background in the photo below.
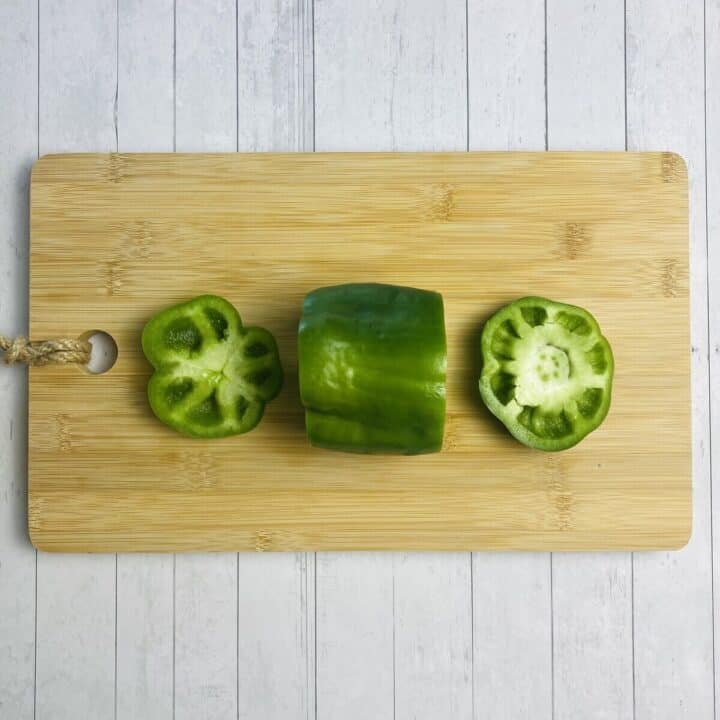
(336, 635)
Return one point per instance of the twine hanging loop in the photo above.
(63, 351)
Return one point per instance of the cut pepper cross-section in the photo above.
(547, 372)
(372, 364)
(212, 376)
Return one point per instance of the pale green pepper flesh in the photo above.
(547, 372)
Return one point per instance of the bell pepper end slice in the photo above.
(212, 376)
(547, 372)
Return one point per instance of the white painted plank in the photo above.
(145, 636)
(712, 150)
(592, 604)
(586, 74)
(673, 591)
(433, 636)
(355, 654)
(511, 591)
(512, 653)
(206, 77)
(76, 637)
(593, 664)
(18, 149)
(145, 586)
(275, 617)
(206, 585)
(276, 608)
(206, 636)
(275, 75)
(392, 79)
(506, 74)
(76, 594)
(78, 75)
(146, 37)
(390, 76)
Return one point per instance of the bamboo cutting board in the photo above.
(115, 238)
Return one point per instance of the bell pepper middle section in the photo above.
(372, 367)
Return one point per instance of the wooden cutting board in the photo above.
(115, 238)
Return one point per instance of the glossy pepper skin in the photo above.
(212, 375)
(372, 364)
(547, 372)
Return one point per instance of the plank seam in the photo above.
(35, 643)
(115, 687)
(174, 557)
(237, 554)
(315, 625)
(552, 642)
(625, 69)
(173, 636)
(174, 81)
(237, 108)
(237, 617)
(393, 641)
(38, 88)
(632, 629)
(307, 28)
(632, 554)
(709, 346)
(472, 578)
(467, 75)
(545, 53)
(117, 73)
(117, 149)
(552, 603)
(472, 637)
(312, 22)
(36, 625)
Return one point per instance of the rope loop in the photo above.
(63, 351)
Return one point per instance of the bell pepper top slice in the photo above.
(212, 376)
(372, 367)
(547, 372)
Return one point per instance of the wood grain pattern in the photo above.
(131, 234)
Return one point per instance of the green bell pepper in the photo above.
(372, 364)
(212, 375)
(547, 372)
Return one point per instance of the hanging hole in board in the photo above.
(104, 351)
